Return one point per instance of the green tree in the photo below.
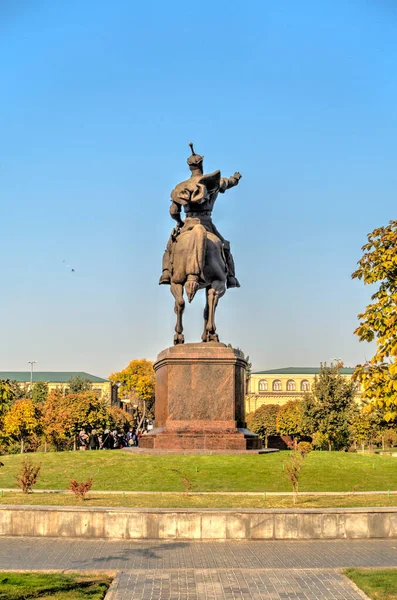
(328, 407)
(378, 322)
(264, 421)
(78, 384)
(289, 420)
(40, 392)
(138, 382)
(365, 427)
(7, 395)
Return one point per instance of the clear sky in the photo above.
(98, 101)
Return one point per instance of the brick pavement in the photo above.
(215, 584)
(268, 570)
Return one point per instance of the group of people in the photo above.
(108, 440)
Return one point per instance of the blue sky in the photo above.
(98, 101)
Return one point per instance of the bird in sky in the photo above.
(68, 266)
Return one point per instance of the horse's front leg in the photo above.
(218, 288)
(177, 292)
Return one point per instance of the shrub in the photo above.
(293, 470)
(28, 475)
(304, 448)
(80, 488)
(187, 484)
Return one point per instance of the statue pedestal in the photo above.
(200, 400)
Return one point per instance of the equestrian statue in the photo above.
(197, 255)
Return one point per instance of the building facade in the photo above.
(59, 380)
(277, 386)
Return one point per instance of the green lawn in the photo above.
(378, 584)
(117, 470)
(53, 586)
(195, 501)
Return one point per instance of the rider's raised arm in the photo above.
(229, 182)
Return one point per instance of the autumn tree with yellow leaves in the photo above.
(137, 383)
(22, 420)
(378, 266)
(64, 415)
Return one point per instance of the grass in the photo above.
(195, 501)
(117, 470)
(52, 586)
(378, 584)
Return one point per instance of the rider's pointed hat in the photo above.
(195, 160)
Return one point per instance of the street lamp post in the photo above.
(31, 362)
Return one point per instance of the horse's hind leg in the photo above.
(216, 291)
(206, 312)
(177, 292)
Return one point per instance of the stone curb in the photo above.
(203, 524)
(192, 493)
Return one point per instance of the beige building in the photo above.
(277, 386)
(59, 380)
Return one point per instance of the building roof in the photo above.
(301, 371)
(49, 376)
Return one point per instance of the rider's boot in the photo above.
(165, 278)
(231, 280)
(191, 286)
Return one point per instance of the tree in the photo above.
(78, 384)
(378, 322)
(6, 395)
(138, 382)
(22, 420)
(264, 421)
(290, 419)
(118, 418)
(54, 417)
(40, 392)
(64, 415)
(328, 407)
(365, 428)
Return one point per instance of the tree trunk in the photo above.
(142, 418)
(45, 446)
(266, 438)
(22, 446)
(75, 443)
(329, 446)
(383, 441)
(362, 446)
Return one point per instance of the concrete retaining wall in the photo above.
(190, 524)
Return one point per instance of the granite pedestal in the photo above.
(200, 400)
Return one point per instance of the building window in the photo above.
(262, 386)
(305, 385)
(291, 385)
(277, 385)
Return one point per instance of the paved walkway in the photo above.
(269, 570)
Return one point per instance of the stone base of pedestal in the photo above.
(200, 400)
(201, 439)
